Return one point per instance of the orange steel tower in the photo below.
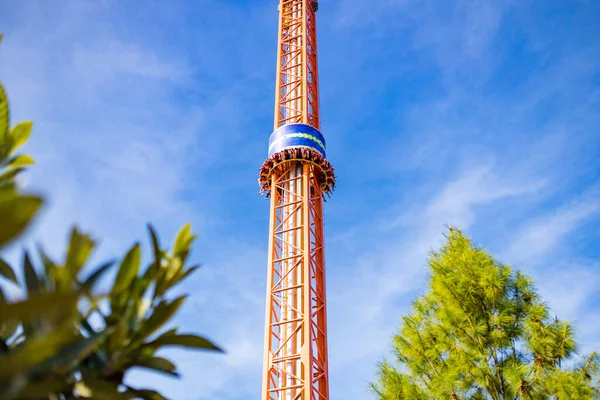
(296, 175)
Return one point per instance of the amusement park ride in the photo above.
(296, 176)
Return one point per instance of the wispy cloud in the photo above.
(113, 58)
(477, 187)
(543, 236)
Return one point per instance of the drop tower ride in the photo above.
(296, 176)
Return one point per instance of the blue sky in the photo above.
(484, 115)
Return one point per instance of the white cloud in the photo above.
(112, 58)
(477, 186)
(569, 288)
(542, 236)
(112, 149)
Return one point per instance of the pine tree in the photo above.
(482, 332)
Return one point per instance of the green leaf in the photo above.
(44, 305)
(142, 284)
(127, 274)
(180, 277)
(128, 271)
(7, 328)
(19, 134)
(146, 394)
(190, 271)
(182, 242)
(56, 353)
(135, 299)
(154, 363)
(16, 212)
(173, 269)
(21, 160)
(7, 272)
(32, 280)
(49, 265)
(68, 357)
(7, 179)
(155, 244)
(80, 249)
(89, 283)
(39, 389)
(4, 123)
(118, 335)
(91, 388)
(170, 332)
(187, 341)
(161, 315)
(35, 351)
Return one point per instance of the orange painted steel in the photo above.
(297, 86)
(296, 332)
(295, 358)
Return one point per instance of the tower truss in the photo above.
(297, 87)
(296, 175)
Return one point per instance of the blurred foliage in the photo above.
(16, 210)
(482, 332)
(65, 338)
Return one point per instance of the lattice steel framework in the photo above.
(296, 337)
(297, 88)
(295, 360)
